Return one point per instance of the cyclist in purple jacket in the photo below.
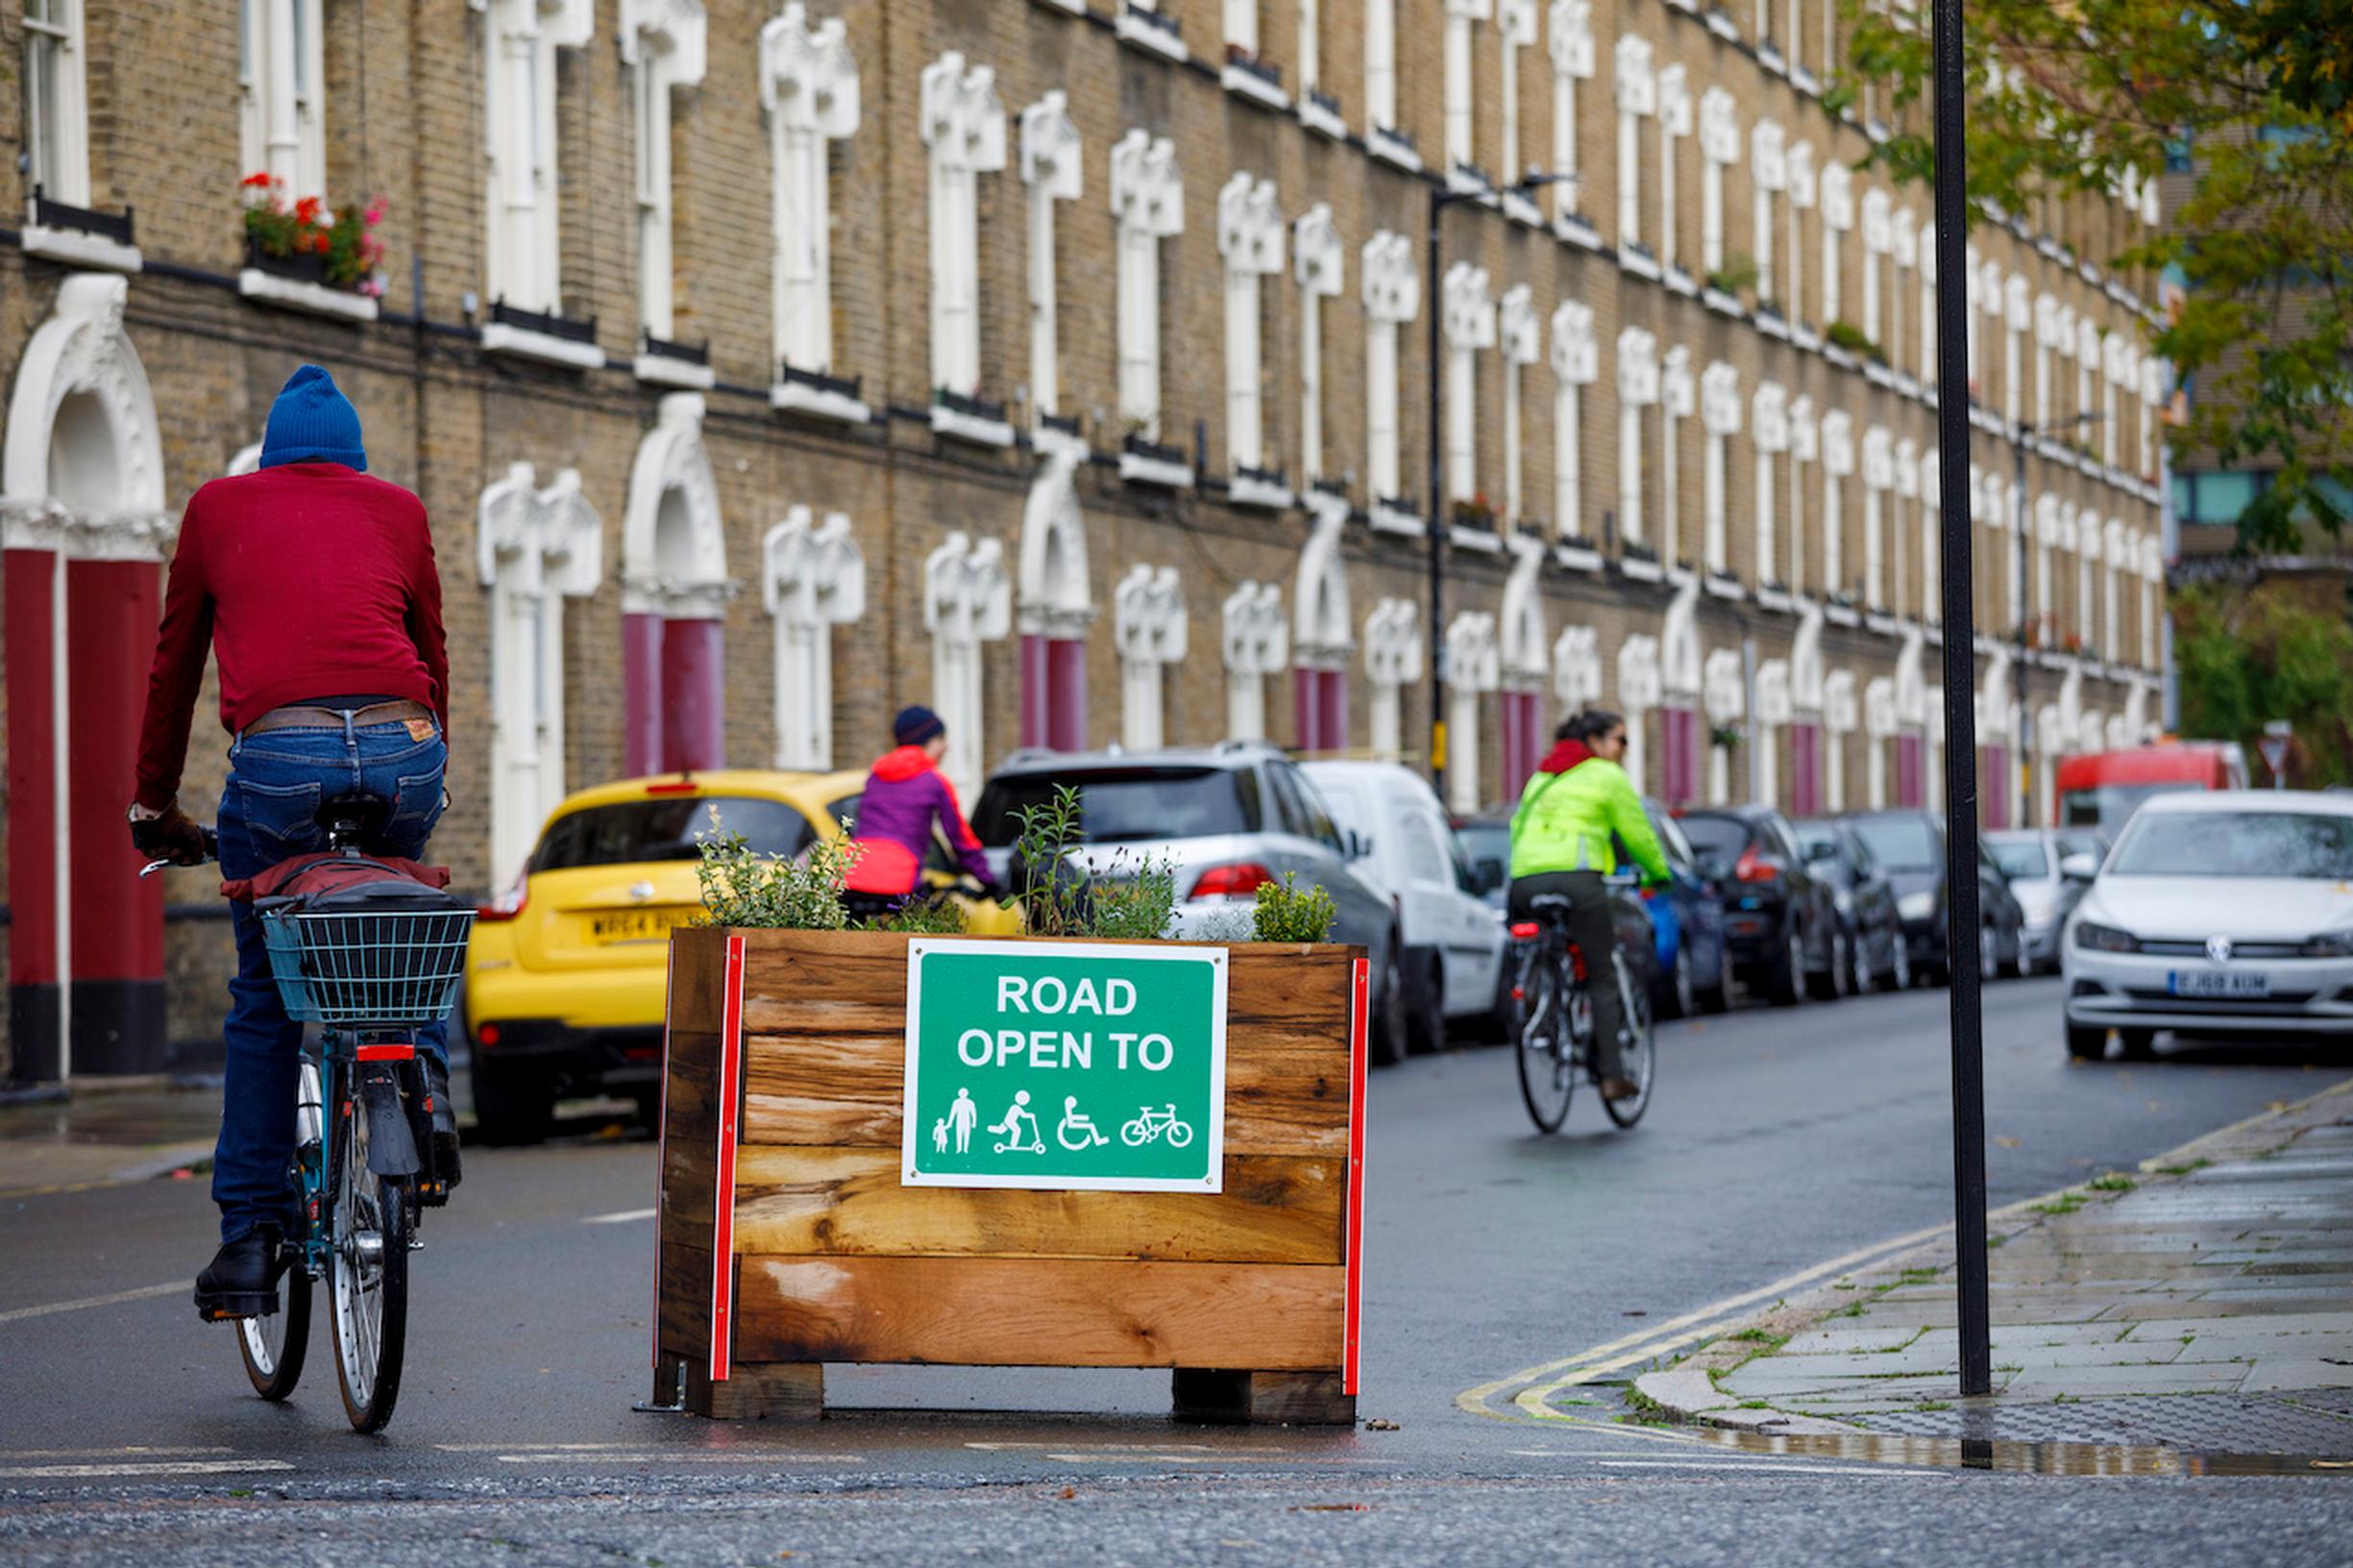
(905, 796)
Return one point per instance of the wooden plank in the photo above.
(689, 1130)
(684, 1327)
(849, 1202)
(758, 1390)
(699, 964)
(986, 1311)
(1290, 1399)
(851, 1091)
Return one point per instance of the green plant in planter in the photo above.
(1737, 275)
(1846, 335)
(1289, 912)
(1061, 901)
(747, 886)
(1724, 737)
(1137, 908)
(928, 915)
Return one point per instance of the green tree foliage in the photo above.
(2086, 97)
(2247, 655)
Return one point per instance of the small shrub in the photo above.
(927, 914)
(747, 886)
(1289, 912)
(1054, 903)
(1853, 338)
(1138, 908)
(1737, 275)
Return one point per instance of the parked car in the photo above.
(1781, 922)
(1909, 845)
(2101, 789)
(1453, 941)
(2223, 913)
(1693, 971)
(1487, 841)
(1224, 818)
(1873, 951)
(565, 972)
(2030, 859)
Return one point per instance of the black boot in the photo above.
(446, 1165)
(242, 1279)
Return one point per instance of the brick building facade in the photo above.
(764, 367)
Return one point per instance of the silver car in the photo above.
(2221, 913)
(2030, 860)
(1224, 818)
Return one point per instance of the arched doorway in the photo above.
(1320, 639)
(83, 525)
(1055, 607)
(674, 600)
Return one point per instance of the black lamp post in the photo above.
(1441, 197)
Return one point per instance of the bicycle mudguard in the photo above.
(392, 1147)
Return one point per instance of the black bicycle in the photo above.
(370, 964)
(1553, 1009)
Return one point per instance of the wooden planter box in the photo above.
(788, 1237)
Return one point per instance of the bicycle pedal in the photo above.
(230, 1309)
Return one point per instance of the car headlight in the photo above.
(2330, 944)
(2104, 938)
(1915, 906)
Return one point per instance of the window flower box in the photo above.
(1320, 112)
(970, 417)
(80, 236)
(1151, 30)
(1144, 460)
(542, 335)
(815, 393)
(1392, 145)
(1247, 76)
(668, 364)
(308, 257)
(1401, 515)
(1269, 488)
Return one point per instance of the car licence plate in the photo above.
(2229, 985)
(636, 924)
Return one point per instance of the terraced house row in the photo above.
(767, 366)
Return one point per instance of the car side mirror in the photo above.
(1819, 852)
(1487, 875)
(1360, 845)
(2079, 867)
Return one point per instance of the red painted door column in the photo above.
(32, 815)
(1053, 692)
(1805, 768)
(1911, 772)
(1319, 709)
(674, 692)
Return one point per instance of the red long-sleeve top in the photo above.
(306, 580)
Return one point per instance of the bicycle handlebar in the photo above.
(212, 852)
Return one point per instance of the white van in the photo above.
(1453, 940)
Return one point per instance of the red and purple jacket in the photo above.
(905, 795)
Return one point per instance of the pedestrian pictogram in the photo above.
(1069, 1065)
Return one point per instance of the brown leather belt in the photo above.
(298, 716)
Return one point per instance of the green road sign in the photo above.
(1090, 1065)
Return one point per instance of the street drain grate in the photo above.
(2203, 1423)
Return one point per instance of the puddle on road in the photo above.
(2042, 1459)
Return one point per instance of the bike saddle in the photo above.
(1551, 906)
(357, 814)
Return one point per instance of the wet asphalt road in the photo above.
(1776, 1140)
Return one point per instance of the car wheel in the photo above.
(514, 1103)
(1717, 998)
(1831, 983)
(1677, 998)
(1385, 1042)
(1785, 981)
(2086, 1042)
(1424, 1004)
(1899, 972)
(2022, 967)
(1989, 955)
(1858, 974)
(2138, 1044)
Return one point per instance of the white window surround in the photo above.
(1679, 398)
(1879, 474)
(968, 602)
(673, 554)
(1876, 213)
(1932, 543)
(1257, 644)
(662, 41)
(2087, 557)
(812, 580)
(534, 548)
(1515, 29)
(1142, 24)
(1637, 94)
(2114, 554)
(1900, 536)
(2018, 317)
(1927, 250)
(1468, 319)
(1523, 654)
(1639, 691)
(281, 104)
(2155, 374)
(521, 247)
(1379, 69)
(55, 92)
(1879, 729)
(2152, 573)
(1461, 152)
(1837, 217)
(1803, 190)
(1319, 263)
(1724, 693)
(1148, 632)
(1474, 668)
(1637, 387)
(1768, 175)
(1576, 363)
(1774, 712)
(1972, 304)
(809, 86)
(2087, 374)
(1793, 47)
(2046, 337)
(1577, 667)
(1676, 121)
(1768, 434)
(1520, 335)
(1839, 712)
(1393, 661)
(1570, 29)
(1804, 447)
(1052, 169)
(1250, 233)
(963, 127)
(1719, 150)
(1837, 467)
(1719, 417)
(1392, 298)
(2051, 530)
(1147, 202)
(2118, 371)
(1902, 251)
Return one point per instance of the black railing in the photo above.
(1463, 166)
(1399, 134)
(1406, 506)
(1329, 103)
(570, 327)
(692, 354)
(1280, 478)
(301, 267)
(1062, 424)
(1242, 59)
(114, 226)
(1159, 452)
(792, 375)
(972, 407)
(1157, 19)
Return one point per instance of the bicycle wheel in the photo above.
(367, 1276)
(1639, 1059)
(1548, 1076)
(273, 1347)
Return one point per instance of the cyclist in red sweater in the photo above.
(314, 586)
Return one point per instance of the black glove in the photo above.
(174, 837)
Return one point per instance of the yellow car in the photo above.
(566, 972)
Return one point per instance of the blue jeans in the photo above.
(268, 813)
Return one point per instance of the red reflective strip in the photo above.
(1360, 991)
(723, 1217)
(386, 1053)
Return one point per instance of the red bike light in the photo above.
(1524, 929)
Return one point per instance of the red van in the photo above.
(2104, 789)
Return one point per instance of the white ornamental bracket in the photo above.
(1838, 443)
(1638, 367)
(1837, 196)
(1769, 416)
(1805, 431)
(1148, 621)
(1768, 155)
(967, 600)
(1907, 469)
(1879, 709)
(1774, 707)
(1639, 689)
(1518, 331)
(1473, 660)
(1051, 165)
(1719, 128)
(813, 578)
(1392, 287)
(1720, 400)
(1147, 192)
(1879, 459)
(963, 119)
(1577, 667)
(1569, 35)
(1319, 263)
(1636, 82)
(1393, 643)
(1838, 705)
(532, 541)
(808, 77)
(1724, 687)
(1903, 238)
(1678, 389)
(1524, 657)
(1877, 210)
(1802, 187)
(1250, 226)
(1469, 307)
(1577, 358)
(1255, 630)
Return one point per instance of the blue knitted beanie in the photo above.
(312, 422)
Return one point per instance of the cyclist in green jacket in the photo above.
(1561, 843)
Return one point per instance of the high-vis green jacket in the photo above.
(1570, 809)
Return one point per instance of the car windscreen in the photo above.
(1126, 804)
(1898, 843)
(632, 831)
(2110, 805)
(1723, 836)
(2269, 843)
(2020, 858)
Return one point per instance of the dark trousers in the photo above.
(268, 813)
(1595, 931)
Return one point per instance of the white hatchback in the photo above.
(2222, 913)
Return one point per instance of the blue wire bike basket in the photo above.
(385, 955)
